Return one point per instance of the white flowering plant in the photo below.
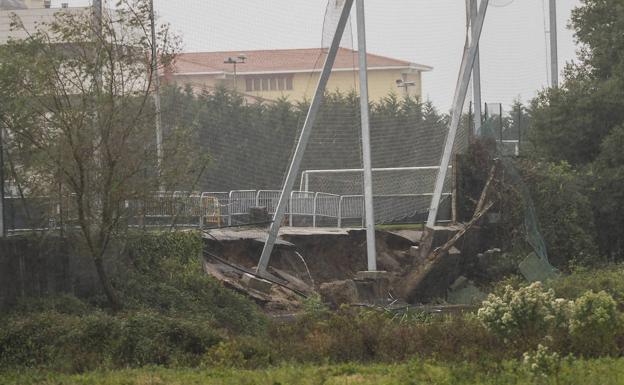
(527, 312)
(594, 323)
(542, 363)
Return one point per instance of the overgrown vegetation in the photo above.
(174, 314)
(568, 372)
(204, 325)
(579, 125)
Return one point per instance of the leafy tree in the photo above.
(581, 122)
(77, 107)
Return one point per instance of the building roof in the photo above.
(282, 61)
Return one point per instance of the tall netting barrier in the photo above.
(245, 74)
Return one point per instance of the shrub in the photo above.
(594, 324)
(242, 352)
(542, 363)
(564, 210)
(526, 314)
(165, 274)
(609, 279)
(97, 340)
(365, 335)
(148, 338)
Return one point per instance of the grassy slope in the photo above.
(604, 372)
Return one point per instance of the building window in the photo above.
(269, 83)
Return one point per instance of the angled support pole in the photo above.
(278, 217)
(366, 145)
(473, 11)
(470, 53)
(554, 55)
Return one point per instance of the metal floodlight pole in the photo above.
(278, 217)
(500, 120)
(470, 52)
(476, 72)
(366, 145)
(554, 54)
(3, 229)
(157, 105)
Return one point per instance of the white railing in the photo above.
(186, 209)
(326, 206)
(240, 201)
(268, 199)
(301, 204)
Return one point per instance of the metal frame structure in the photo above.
(468, 59)
(472, 12)
(303, 139)
(366, 145)
(304, 184)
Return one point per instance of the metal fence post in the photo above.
(340, 212)
(314, 210)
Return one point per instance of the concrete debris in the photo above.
(257, 284)
(464, 292)
(337, 293)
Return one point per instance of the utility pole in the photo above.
(473, 11)
(304, 137)
(157, 105)
(366, 145)
(3, 229)
(554, 55)
(97, 27)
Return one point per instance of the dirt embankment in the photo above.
(328, 256)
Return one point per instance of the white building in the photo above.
(30, 12)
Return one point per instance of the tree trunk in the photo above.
(109, 291)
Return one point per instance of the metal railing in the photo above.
(217, 209)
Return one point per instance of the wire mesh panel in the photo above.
(246, 71)
(326, 210)
(239, 203)
(351, 211)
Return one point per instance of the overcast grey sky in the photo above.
(431, 32)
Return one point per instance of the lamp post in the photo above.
(240, 59)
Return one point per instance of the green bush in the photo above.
(148, 338)
(365, 335)
(609, 278)
(98, 340)
(165, 274)
(594, 324)
(564, 210)
(241, 352)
